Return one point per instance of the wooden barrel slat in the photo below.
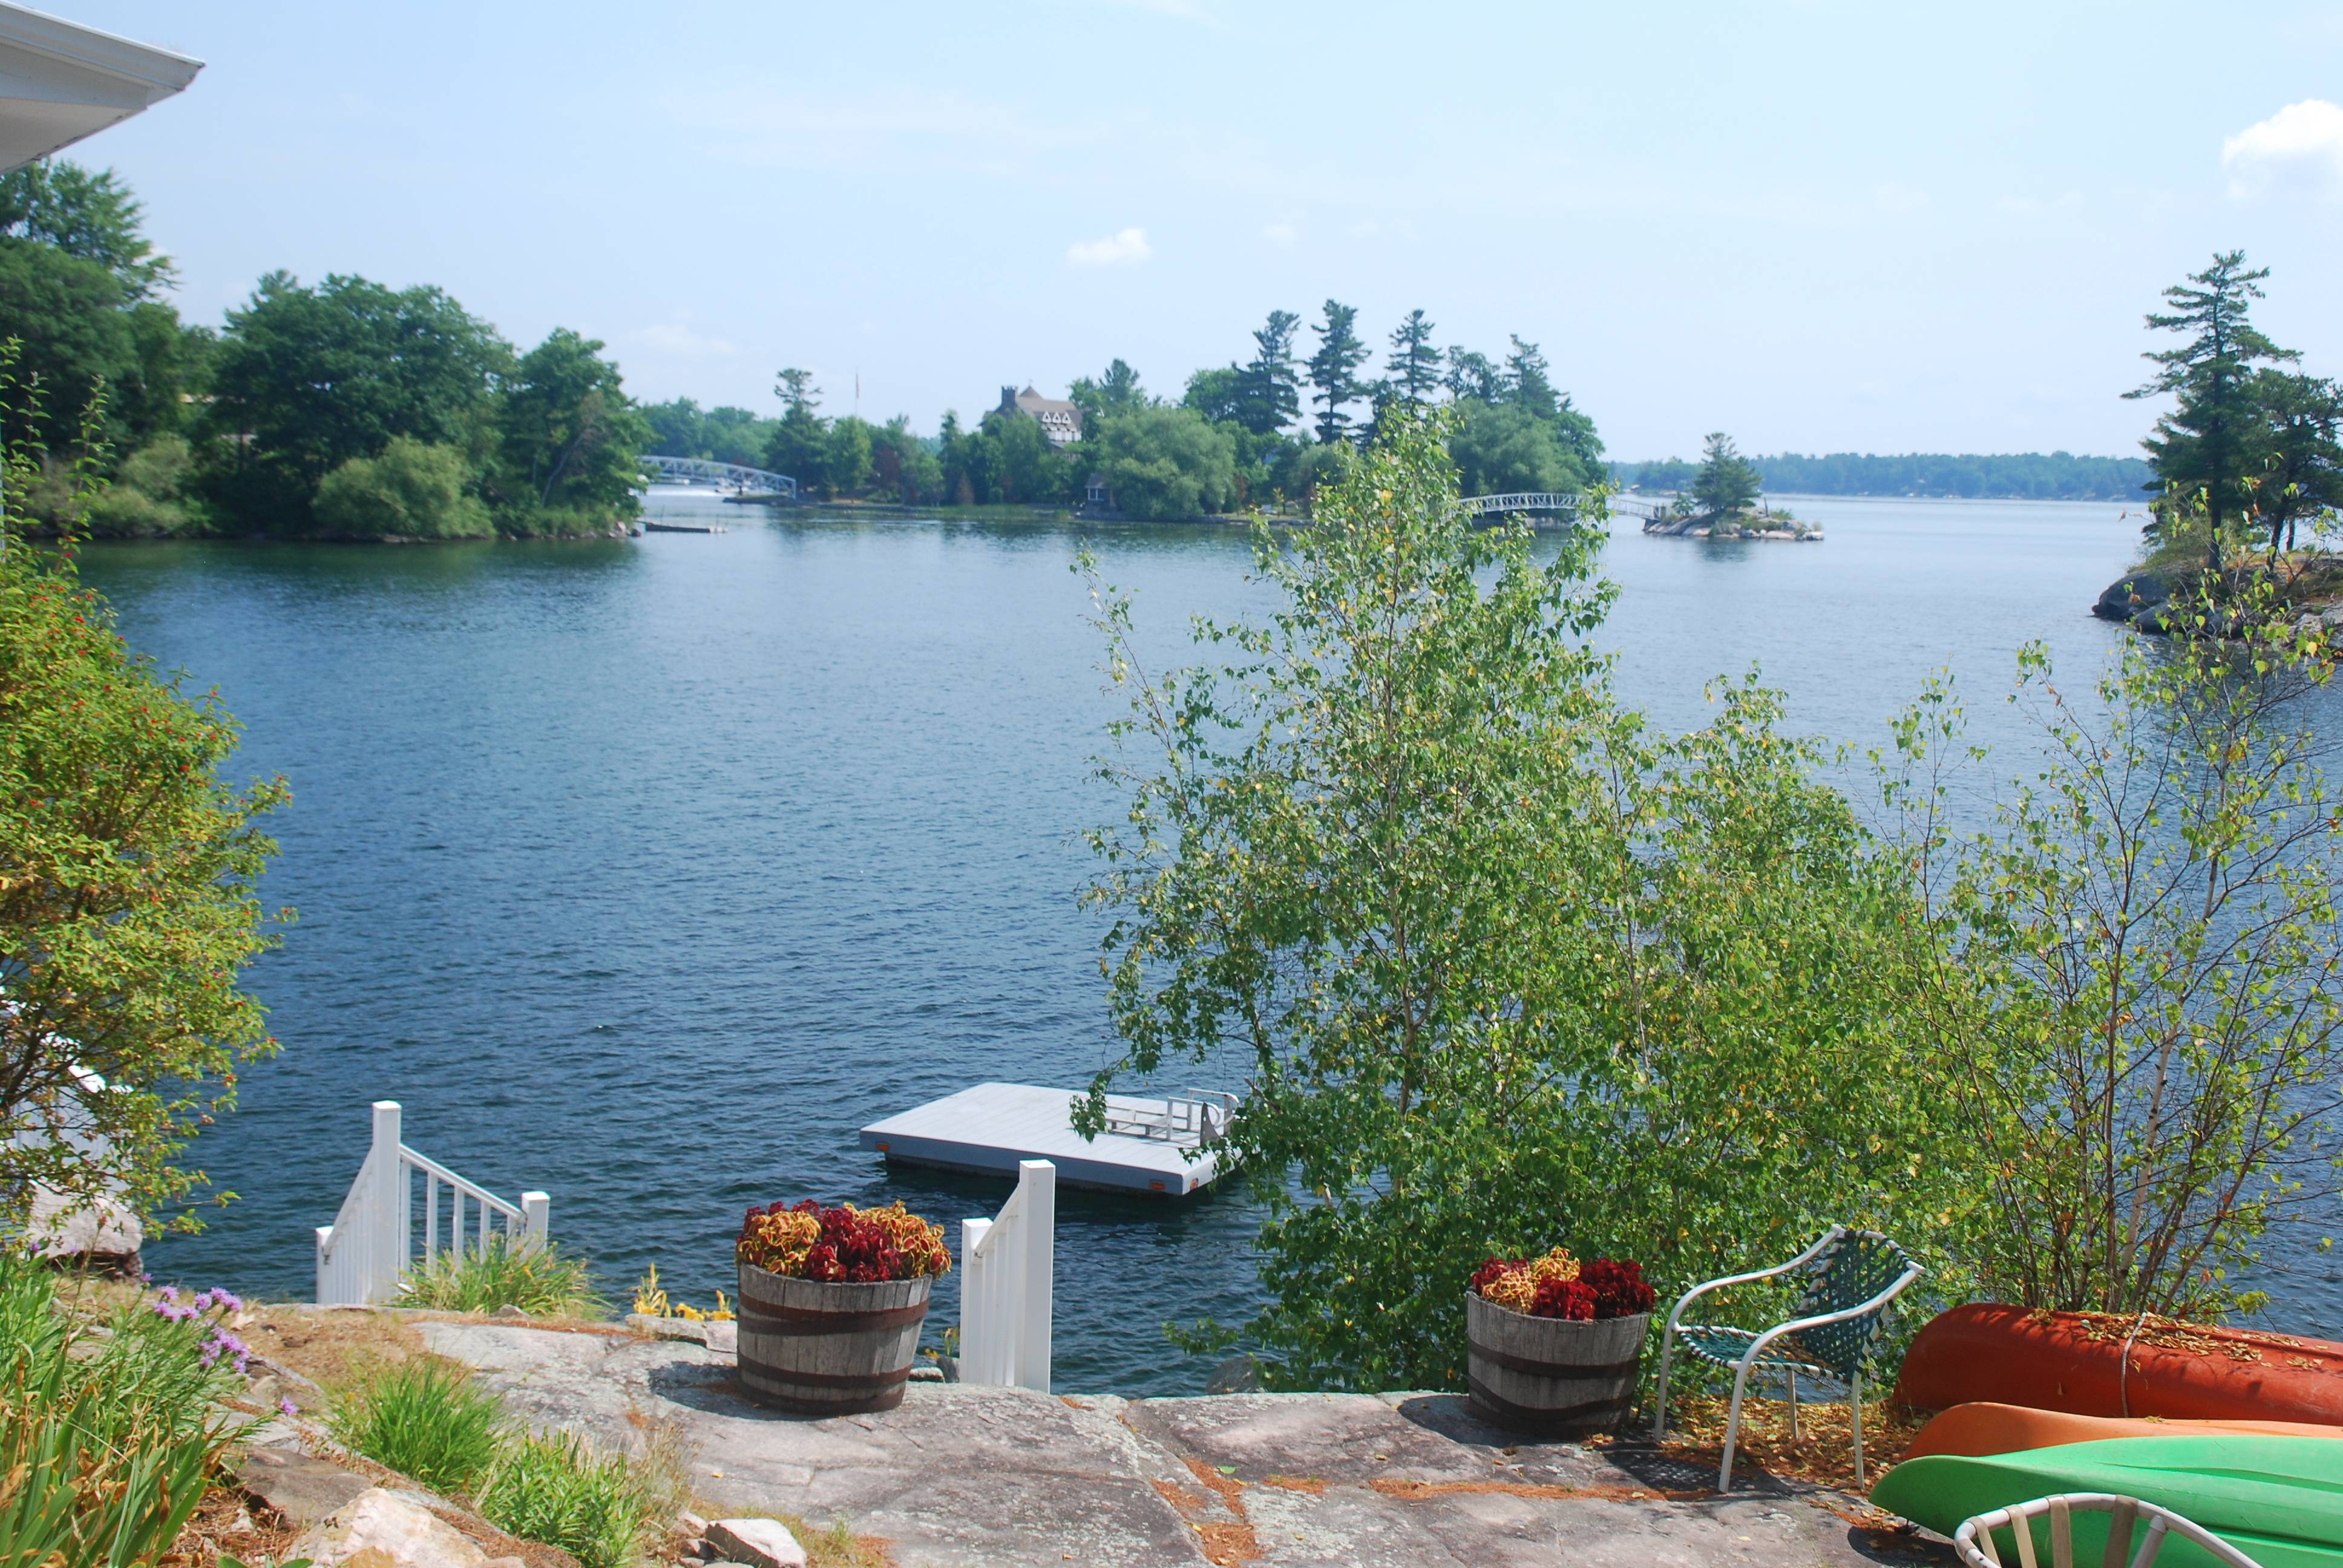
(1553, 1377)
(816, 1348)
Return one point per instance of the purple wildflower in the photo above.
(227, 1300)
(288, 1407)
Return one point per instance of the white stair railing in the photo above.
(362, 1255)
(1007, 1264)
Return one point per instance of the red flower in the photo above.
(1619, 1287)
(1563, 1299)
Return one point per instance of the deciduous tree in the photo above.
(127, 909)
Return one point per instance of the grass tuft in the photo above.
(536, 1279)
(425, 1419)
(552, 1487)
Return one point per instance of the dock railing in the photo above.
(1189, 1119)
(362, 1255)
(1008, 1265)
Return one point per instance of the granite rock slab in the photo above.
(961, 1475)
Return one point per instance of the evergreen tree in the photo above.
(2301, 473)
(1727, 481)
(1527, 384)
(1270, 395)
(1414, 364)
(1334, 370)
(2211, 442)
(1116, 392)
(798, 439)
(1472, 375)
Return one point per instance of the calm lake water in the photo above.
(647, 872)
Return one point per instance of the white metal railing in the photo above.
(1198, 1116)
(1007, 1264)
(362, 1255)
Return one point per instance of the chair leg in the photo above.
(1792, 1374)
(1732, 1426)
(1660, 1403)
(1854, 1413)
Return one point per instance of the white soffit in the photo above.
(60, 82)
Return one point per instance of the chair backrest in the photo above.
(1974, 1545)
(1852, 1267)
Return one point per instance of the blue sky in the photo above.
(1820, 227)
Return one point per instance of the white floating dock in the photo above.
(1149, 1146)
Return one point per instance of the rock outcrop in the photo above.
(380, 1529)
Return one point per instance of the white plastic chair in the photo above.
(1975, 1543)
(1853, 1277)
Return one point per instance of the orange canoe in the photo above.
(1978, 1430)
(2091, 1363)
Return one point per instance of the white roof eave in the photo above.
(60, 81)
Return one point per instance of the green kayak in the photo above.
(2277, 1499)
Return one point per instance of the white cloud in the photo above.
(1122, 248)
(2296, 151)
(1284, 236)
(674, 339)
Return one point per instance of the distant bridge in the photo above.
(746, 480)
(1561, 503)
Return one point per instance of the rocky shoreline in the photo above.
(2144, 599)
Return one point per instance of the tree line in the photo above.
(1267, 431)
(339, 409)
(2014, 476)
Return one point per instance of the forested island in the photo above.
(2007, 476)
(1266, 431)
(342, 409)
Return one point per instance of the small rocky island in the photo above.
(1760, 524)
(1725, 502)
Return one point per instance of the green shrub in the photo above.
(412, 490)
(553, 1488)
(147, 498)
(425, 1419)
(536, 1279)
(103, 1451)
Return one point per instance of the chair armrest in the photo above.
(1823, 1319)
(1701, 1289)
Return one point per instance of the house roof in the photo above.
(60, 81)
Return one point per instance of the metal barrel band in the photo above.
(1550, 1368)
(770, 1318)
(874, 1381)
(1591, 1413)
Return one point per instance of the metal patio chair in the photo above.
(1852, 1277)
(1974, 1545)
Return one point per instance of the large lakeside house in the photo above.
(1060, 421)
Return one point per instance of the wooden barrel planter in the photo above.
(816, 1348)
(1551, 1377)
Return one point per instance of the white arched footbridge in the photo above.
(737, 476)
(1553, 503)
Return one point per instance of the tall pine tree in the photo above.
(1269, 392)
(1528, 386)
(2211, 442)
(1414, 364)
(1334, 370)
